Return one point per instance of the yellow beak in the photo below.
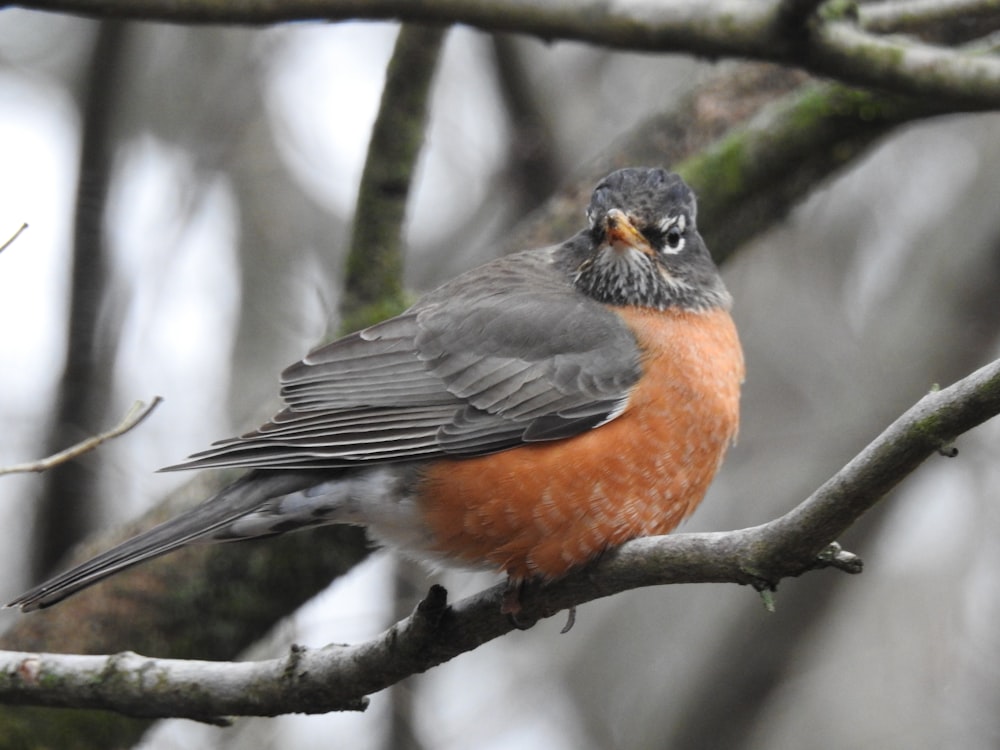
(622, 234)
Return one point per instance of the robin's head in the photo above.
(644, 248)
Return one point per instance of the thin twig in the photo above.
(10, 241)
(136, 414)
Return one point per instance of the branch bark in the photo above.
(824, 39)
(338, 677)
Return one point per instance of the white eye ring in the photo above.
(673, 232)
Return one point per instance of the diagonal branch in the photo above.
(820, 37)
(136, 414)
(339, 677)
(10, 240)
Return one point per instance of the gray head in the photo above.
(643, 247)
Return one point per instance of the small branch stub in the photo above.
(948, 450)
(835, 556)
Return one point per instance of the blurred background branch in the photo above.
(373, 287)
(64, 512)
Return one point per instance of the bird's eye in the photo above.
(674, 237)
(672, 230)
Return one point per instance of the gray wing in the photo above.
(506, 354)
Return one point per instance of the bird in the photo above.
(524, 417)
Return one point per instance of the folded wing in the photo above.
(505, 355)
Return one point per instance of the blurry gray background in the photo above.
(236, 159)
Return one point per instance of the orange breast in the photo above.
(542, 509)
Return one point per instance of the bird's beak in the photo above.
(622, 234)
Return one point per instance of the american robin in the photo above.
(524, 417)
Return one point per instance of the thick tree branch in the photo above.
(339, 677)
(844, 51)
(765, 166)
(794, 32)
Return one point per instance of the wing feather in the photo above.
(504, 355)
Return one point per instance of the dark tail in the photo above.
(198, 524)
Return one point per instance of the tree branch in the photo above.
(10, 240)
(132, 418)
(763, 167)
(916, 15)
(339, 677)
(750, 145)
(373, 289)
(793, 32)
(842, 50)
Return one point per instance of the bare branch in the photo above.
(909, 67)
(159, 688)
(926, 429)
(711, 21)
(136, 414)
(373, 289)
(785, 31)
(914, 15)
(339, 677)
(10, 240)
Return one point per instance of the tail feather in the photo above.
(201, 523)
